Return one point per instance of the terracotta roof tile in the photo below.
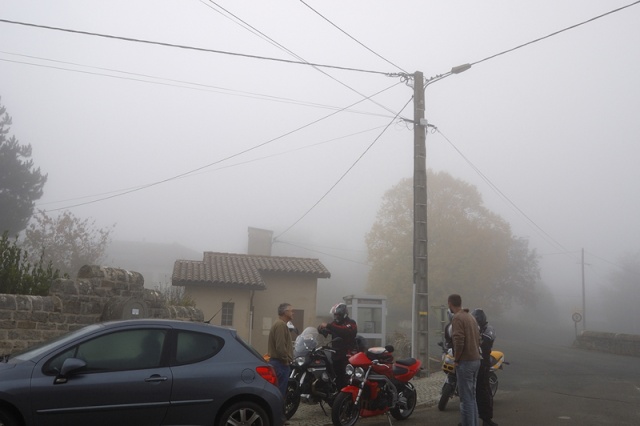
(241, 270)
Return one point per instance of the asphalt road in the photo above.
(552, 385)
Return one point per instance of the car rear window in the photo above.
(194, 347)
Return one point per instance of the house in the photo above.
(243, 291)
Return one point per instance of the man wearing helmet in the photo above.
(484, 398)
(345, 328)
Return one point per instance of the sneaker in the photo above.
(489, 423)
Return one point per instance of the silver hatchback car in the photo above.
(139, 373)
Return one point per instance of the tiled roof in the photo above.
(242, 270)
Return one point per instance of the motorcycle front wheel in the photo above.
(493, 383)
(447, 392)
(292, 400)
(402, 412)
(344, 411)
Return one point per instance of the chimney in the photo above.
(260, 242)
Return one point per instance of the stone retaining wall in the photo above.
(98, 294)
(616, 343)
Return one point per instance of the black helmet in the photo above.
(480, 316)
(339, 311)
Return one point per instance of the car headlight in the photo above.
(349, 370)
(299, 361)
(359, 373)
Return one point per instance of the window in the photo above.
(194, 347)
(227, 314)
(122, 350)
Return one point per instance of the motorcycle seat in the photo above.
(406, 361)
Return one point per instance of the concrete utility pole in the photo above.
(420, 332)
(421, 328)
(584, 298)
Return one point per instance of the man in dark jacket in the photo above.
(484, 397)
(345, 328)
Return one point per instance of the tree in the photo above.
(471, 250)
(67, 241)
(20, 183)
(18, 275)
(620, 296)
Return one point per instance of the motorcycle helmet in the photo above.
(480, 316)
(339, 312)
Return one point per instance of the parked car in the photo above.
(138, 373)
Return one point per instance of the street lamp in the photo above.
(420, 320)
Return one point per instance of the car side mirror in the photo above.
(69, 366)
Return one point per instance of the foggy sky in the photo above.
(553, 125)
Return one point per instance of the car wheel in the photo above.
(244, 413)
(7, 419)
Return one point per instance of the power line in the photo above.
(322, 252)
(352, 38)
(220, 168)
(181, 175)
(178, 83)
(345, 173)
(199, 49)
(556, 33)
(256, 31)
(502, 194)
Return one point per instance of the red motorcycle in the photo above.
(377, 385)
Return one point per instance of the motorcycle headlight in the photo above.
(349, 370)
(359, 373)
(299, 361)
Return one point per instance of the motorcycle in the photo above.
(450, 386)
(312, 379)
(377, 385)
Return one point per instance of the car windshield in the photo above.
(39, 349)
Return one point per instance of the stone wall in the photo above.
(616, 343)
(98, 294)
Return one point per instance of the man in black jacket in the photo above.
(345, 328)
(484, 397)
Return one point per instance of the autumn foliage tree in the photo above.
(471, 250)
(21, 184)
(67, 241)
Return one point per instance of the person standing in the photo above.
(466, 343)
(280, 346)
(484, 397)
(347, 329)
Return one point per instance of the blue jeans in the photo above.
(467, 373)
(282, 373)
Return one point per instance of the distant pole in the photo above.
(421, 326)
(584, 298)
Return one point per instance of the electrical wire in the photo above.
(199, 49)
(219, 168)
(152, 184)
(502, 194)
(322, 252)
(345, 173)
(352, 38)
(256, 31)
(556, 33)
(177, 83)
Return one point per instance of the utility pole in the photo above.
(421, 308)
(584, 298)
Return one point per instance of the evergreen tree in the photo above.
(20, 183)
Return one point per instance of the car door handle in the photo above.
(156, 378)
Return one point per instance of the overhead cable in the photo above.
(199, 49)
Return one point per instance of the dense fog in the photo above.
(190, 147)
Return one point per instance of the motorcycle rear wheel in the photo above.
(408, 392)
(292, 400)
(447, 393)
(344, 411)
(493, 383)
